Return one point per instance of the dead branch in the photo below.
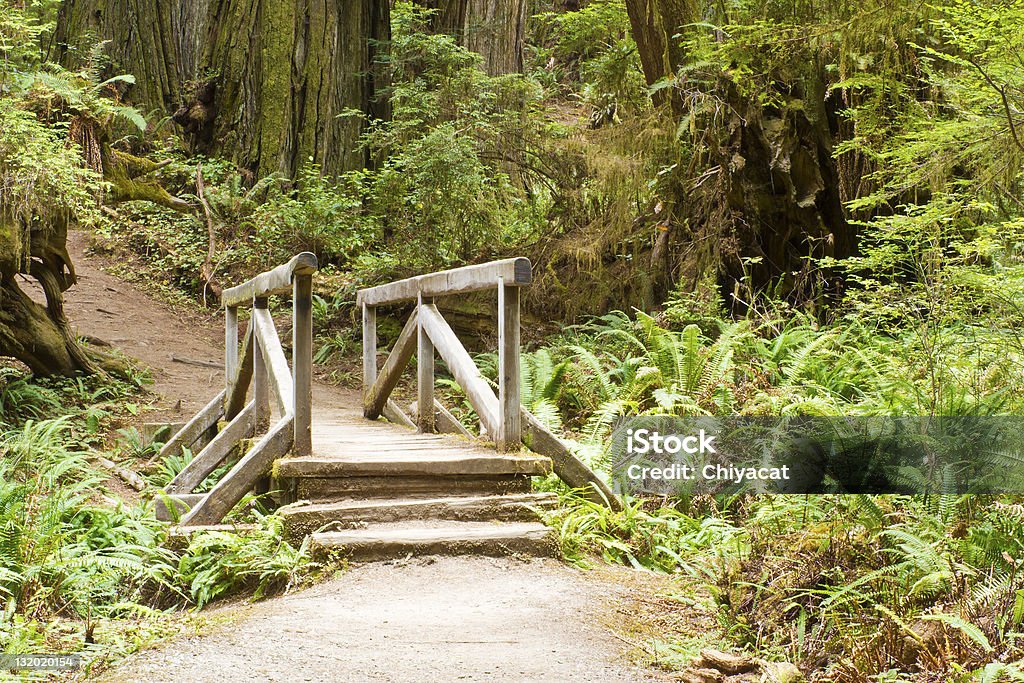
(206, 272)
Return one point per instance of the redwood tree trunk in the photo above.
(492, 28)
(768, 195)
(264, 82)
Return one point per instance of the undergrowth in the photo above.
(850, 588)
(81, 571)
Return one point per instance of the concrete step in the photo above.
(305, 518)
(393, 540)
(426, 462)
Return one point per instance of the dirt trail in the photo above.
(104, 307)
(107, 308)
(449, 619)
(430, 619)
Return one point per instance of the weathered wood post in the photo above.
(424, 372)
(302, 363)
(510, 430)
(230, 345)
(260, 386)
(369, 355)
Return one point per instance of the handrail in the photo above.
(262, 365)
(501, 418)
(513, 272)
(426, 331)
(276, 281)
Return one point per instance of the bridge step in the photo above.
(326, 489)
(384, 541)
(412, 463)
(322, 479)
(304, 518)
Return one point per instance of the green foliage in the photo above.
(35, 162)
(643, 536)
(594, 45)
(614, 367)
(61, 555)
(218, 563)
(65, 556)
(459, 169)
(850, 587)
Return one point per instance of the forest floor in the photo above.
(422, 619)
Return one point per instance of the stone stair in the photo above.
(373, 496)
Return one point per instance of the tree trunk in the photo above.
(26, 333)
(764, 193)
(37, 335)
(493, 29)
(266, 83)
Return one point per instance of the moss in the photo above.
(277, 31)
(10, 247)
(122, 171)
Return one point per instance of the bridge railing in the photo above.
(426, 332)
(261, 364)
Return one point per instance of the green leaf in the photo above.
(965, 627)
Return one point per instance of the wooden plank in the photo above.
(515, 271)
(193, 429)
(424, 377)
(383, 541)
(211, 457)
(409, 464)
(276, 281)
(391, 373)
(234, 401)
(448, 422)
(509, 434)
(302, 363)
(396, 415)
(260, 388)
(170, 508)
(567, 466)
(466, 373)
(369, 355)
(243, 476)
(327, 489)
(278, 373)
(230, 345)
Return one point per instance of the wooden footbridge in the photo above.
(419, 482)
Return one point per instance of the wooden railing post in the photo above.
(302, 363)
(230, 345)
(510, 431)
(369, 353)
(424, 373)
(260, 388)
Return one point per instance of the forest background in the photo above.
(733, 208)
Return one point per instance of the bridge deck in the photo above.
(372, 489)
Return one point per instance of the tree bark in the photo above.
(494, 29)
(28, 334)
(266, 83)
(764, 192)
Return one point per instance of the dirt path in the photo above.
(449, 619)
(107, 308)
(431, 619)
(104, 307)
